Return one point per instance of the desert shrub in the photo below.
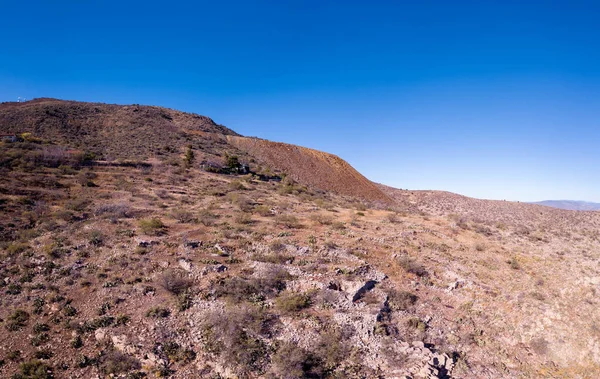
(69, 310)
(238, 289)
(14, 355)
(411, 266)
(158, 312)
(85, 179)
(184, 300)
(152, 227)
(76, 342)
(236, 185)
(206, 217)
(183, 216)
(116, 362)
(243, 218)
(122, 319)
(38, 305)
(40, 328)
(293, 302)
(393, 218)
(16, 248)
(174, 282)
(177, 353)
(43, 354)
(322, 219)
(514, 263)
(40, 339)
(96, 323)
(78, 204)
(34, 369)
(96, 238)
(287, 220)
(114, 211)
(338, 225)
(232, 162)
(104, 308)
(416, 323)
(263, 210)
(14, 289)
(401, 300)
(235, 335)
(276, 246)
(291, 361)
(332, 348)
(244, 204)
(17, 320)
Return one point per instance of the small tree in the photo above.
(189, 156)
(232, 162)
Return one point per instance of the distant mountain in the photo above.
(571, 205)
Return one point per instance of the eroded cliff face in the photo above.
(312, 167)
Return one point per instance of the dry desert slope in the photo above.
(198, 253)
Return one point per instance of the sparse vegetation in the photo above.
(259, 276)
(152, 227)
(293, 302)
(413, 267)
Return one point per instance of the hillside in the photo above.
(139, 133)
(108, 130)
(161, 268)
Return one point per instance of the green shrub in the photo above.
(76, 342)
(514, 263)
(238, 289)
(116, 362)
(288, 221)
(40, 328)
(69, 310)
(13, 289)
(291, 361)
(43, 354)
(293, 302)
(16, 248)
(34, 369)
(152, 227)
(17, 320)
(158, 312)
(401, 300)
(177, 353)
(96, 238)
(416, 323)
(40, 339)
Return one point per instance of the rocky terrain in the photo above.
(222, 257)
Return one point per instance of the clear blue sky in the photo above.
(491, 99)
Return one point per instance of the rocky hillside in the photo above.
(134, 132)
(108, 130)
(164, 269)
(312, 167)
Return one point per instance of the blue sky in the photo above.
(491, 99)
